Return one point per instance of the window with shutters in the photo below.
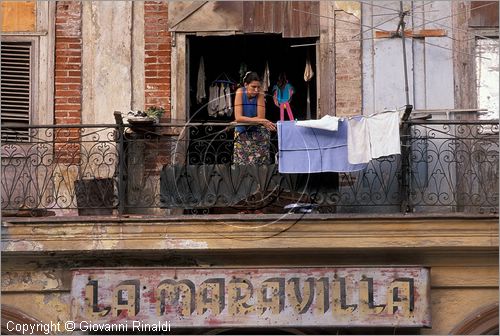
(16, 89)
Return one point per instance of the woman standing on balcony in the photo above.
(251, 143)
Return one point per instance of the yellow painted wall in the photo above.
(462, 254)
(18, 16)
(46, 307)
(450, 306)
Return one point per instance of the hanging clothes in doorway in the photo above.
(266, 81)
(200, 84)
(220, 98)
(308, 75)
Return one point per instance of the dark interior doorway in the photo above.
(228, 54)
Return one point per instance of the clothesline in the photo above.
(399, 109)
(337, 145)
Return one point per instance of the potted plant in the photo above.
(155, 112)
(148, 117)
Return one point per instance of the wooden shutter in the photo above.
(290, 18)
(15, 97)
(484, 14)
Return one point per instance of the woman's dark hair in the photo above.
(282, 80)
(251, 76)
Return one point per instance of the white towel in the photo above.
(327, 123)
(358, 141)
(200, 85)
(383, 130)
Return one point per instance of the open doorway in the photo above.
(226, 57)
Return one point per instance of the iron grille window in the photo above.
(15, 93)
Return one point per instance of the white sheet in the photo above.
(358, 141)
(383, 130)
(327, 123)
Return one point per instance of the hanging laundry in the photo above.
(213, 100)
(328, 123)
(266, 81)
(308, 75)
(309, 150)
(200, 85)
(222, 100)
(373, 137)
(308, 71)
(358, 140)
(242, 71)
(384, 134)
(229, 103)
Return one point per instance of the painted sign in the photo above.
(228, 297)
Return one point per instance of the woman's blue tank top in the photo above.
(249, 109)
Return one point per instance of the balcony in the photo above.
(170, 169)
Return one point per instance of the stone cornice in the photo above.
(266, 232)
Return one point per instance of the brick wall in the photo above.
(157, 52)
(68, 78)
(348, 68)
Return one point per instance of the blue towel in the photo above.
(309, 150)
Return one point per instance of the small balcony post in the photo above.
(405, 161)
(121, 162)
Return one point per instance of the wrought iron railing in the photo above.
(186, 168)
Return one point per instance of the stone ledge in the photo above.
(216, 233)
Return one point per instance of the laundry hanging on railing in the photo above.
(309, 150)
(373, 137)
(327, 123)
(317, 147)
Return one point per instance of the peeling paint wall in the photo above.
(46, 307)
(107, 55)
(487, 77)
(18, 16)
(460, 282)
(350, 7)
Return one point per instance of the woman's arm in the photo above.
(261, 106)
(261, 113)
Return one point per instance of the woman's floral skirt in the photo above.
(251, 147)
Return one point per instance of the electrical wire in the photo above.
(336, 19)
(319, 43)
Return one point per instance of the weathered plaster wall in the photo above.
(46, 307)
(325, 80)
(107, 55)
(18, 16)
(452, 306)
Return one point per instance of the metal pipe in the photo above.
(401, 26)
